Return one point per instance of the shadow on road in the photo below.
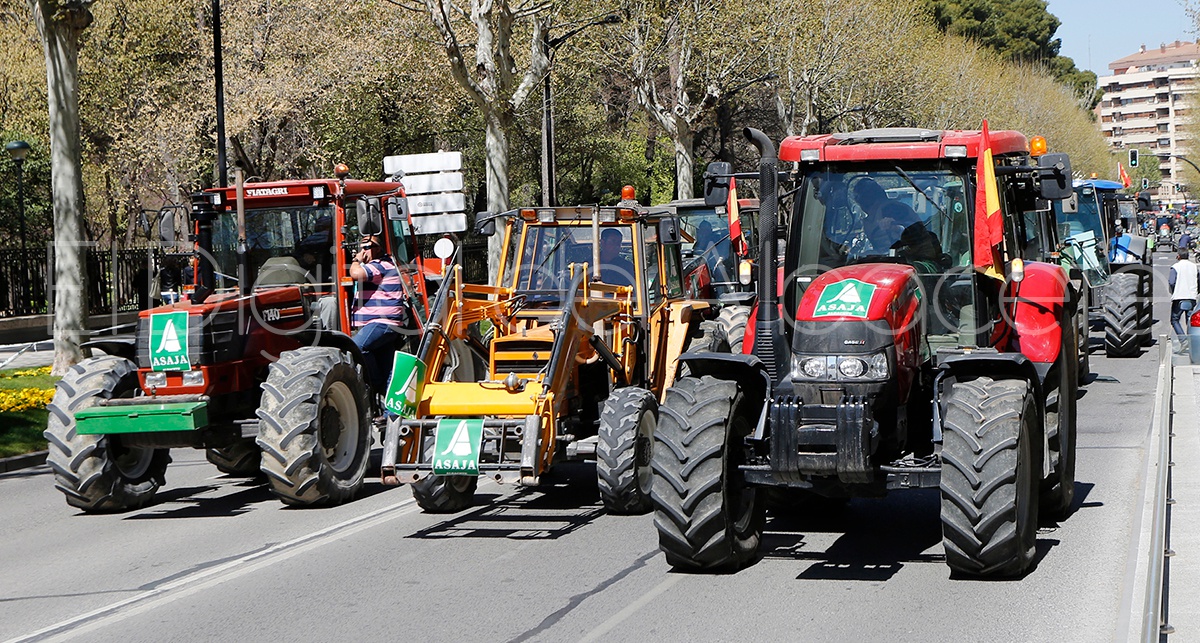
(251, 492)
(563, 503)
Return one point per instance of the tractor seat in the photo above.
(282, 271)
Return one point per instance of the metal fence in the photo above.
(119, 280)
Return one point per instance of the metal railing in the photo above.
(119, 280)
(1154, 618)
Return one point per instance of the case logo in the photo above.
(846, 298)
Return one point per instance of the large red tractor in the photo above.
(902, 353)
(256, 365)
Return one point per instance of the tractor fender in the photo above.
(1038, 305)
(117, 347)
(332, 339)
(986, 363)
(747, 370)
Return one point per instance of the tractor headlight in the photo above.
(852, 367)
(843, 368)
(193, 378)
(810, 368)
(156, 379)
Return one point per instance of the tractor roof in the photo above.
(1100, 184)
(899, 143)
(287, 192)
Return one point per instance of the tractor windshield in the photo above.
(710, 246)
(1081, 229)
(295, 240)
(916, 214)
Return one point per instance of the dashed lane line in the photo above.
(211, 576)
(629, 610)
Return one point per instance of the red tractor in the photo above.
(256, 365)
(901, 354)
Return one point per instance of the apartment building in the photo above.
(1146, 102)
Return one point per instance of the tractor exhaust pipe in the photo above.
(203, 213)
(769, 343)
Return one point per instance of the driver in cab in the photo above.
(614, 269)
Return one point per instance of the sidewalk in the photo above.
(1183, 587)
(41, 354)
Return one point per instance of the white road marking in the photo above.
(630, 609)
(212, 576)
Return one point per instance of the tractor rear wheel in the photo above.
(706, 337)
(242, 458)
(1122, 316)
(707, 517)
(733, 319)
(314, 429)
(623, 450)
(442, 494)
(989, 480)
(1058, 490)
(96, 472)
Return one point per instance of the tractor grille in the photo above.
(520, 356)
(216, 339)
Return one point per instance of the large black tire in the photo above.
(623, 450)
(1083, 333)
(1146, 301)
(1058, 490)
(989, 478)
(707, 517)
(242, 459)
(314, 427)
(706, 337)
(442, 494)
(733, 319)
(96, 472)
(1122, 312)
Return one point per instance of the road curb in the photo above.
(18, 462)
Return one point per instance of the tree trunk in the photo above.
(60, 44)
(496, 144)
(682, 140)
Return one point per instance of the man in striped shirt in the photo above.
(382, 314)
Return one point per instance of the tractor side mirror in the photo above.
(397, 208)
(716, 183)
(166, 227)
(1055, 172)
(369, 220)
(668, 231)
(1070, 205)
(485, 224)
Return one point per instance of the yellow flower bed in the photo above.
(31, 372)
(23, 399)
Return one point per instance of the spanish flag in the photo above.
(1125, 180)
(736, 238)
(989, 224)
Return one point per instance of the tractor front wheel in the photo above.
(707, 517)
(990, 477)
(442, 494)
(623, 450)
(238, 459)
(314, 428)
(96, 472)
(1122, 316)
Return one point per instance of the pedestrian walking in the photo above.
(1185, 286)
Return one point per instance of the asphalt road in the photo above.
(217, 558)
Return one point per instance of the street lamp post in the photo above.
(549, 45)
(18, 150)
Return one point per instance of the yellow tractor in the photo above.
(576, 344)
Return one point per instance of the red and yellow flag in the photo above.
(989, 224)
(736, 238)
(1125, 180)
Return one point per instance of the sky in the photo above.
(1097, 32)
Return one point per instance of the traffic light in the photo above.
(1145, 184)
(1133, 157)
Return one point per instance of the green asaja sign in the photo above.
(846, 298)
(169, 342)
(404, 389)
(456, 449)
